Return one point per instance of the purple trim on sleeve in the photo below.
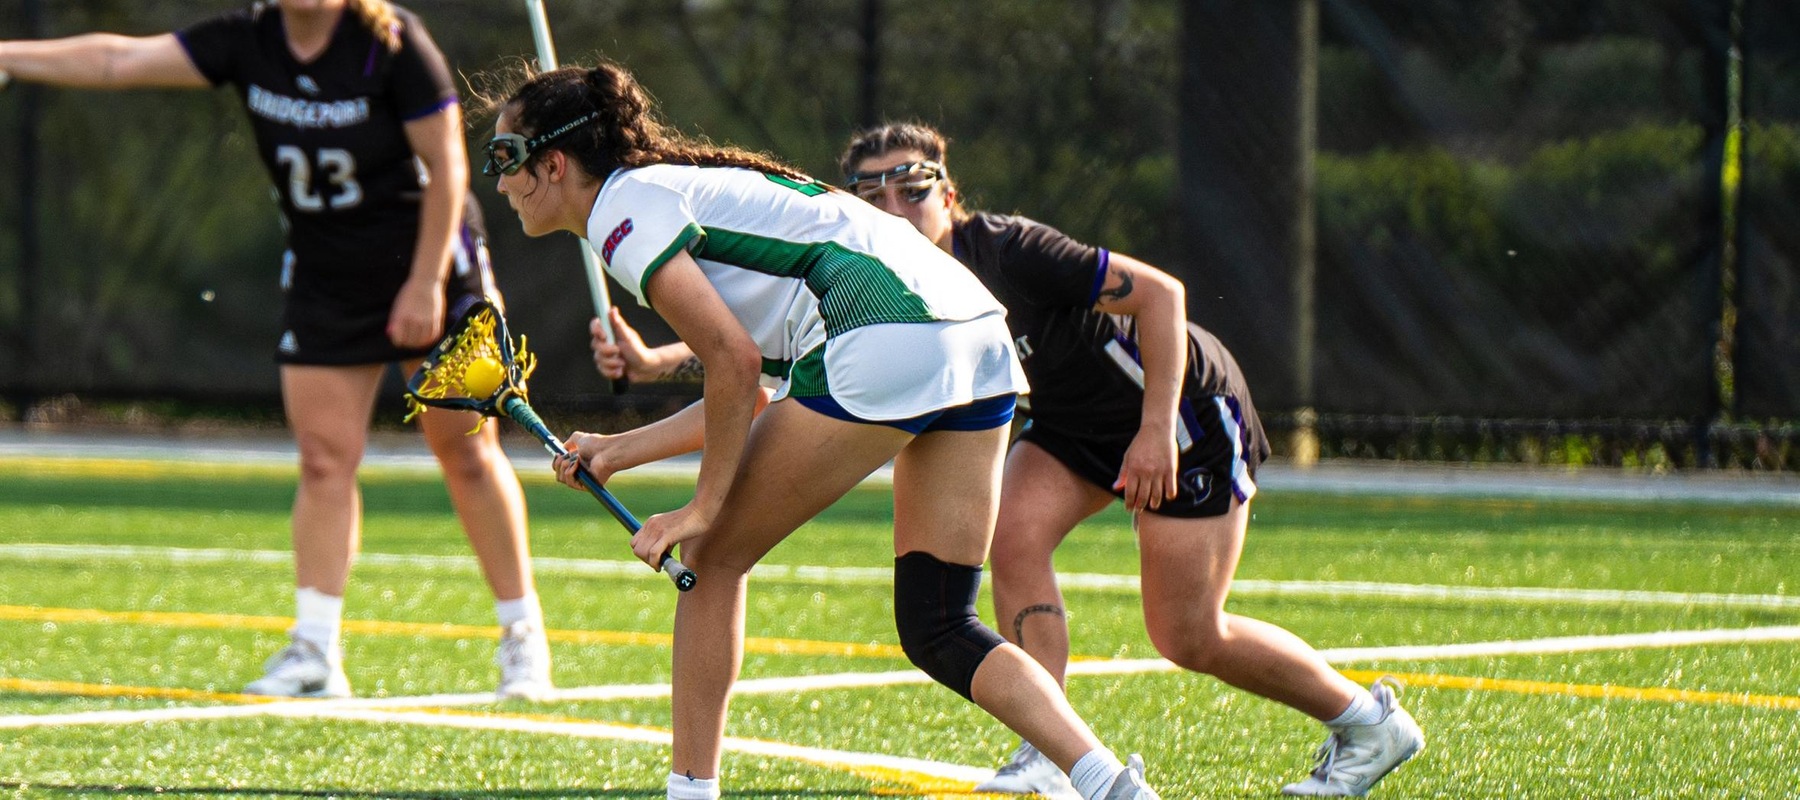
(188, 50)
(426, 112)
(1099, 275)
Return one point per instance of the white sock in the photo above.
(319, 619)
(1363, 710)
(682, 787)
(524, 608)
(1094, 773)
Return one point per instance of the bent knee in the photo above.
(1022, 549)
(934, 612)
(1197, 649)
(726, 562)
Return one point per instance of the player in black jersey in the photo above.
(358, 123)
(1128, 399)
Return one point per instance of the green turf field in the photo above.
(154, 591)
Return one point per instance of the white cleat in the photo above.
(302, 669)
(1130, 785)
(524, 661)
(1031, 772)
(1354, 758)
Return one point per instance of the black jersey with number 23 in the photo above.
(331, 132)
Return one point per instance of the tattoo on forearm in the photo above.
(689, 370)
(1019, 621)
(1119, 292)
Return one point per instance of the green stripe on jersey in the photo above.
(685, 235)
(808, 376)
(854, 289)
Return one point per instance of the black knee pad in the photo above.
(934, 609)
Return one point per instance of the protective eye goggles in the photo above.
(914, 181)
(506, 153)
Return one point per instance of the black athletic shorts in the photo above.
(342, 319)
(1228, 444)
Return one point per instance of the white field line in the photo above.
(375, 711)
(370, 712)
(1349, 477)
(654, 736)
(1505, 647)
(853, 680)
(878, 576)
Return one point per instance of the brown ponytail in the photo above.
(628, 131)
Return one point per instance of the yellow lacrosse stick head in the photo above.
(474, 369)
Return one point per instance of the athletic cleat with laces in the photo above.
(1030, 772)
(524, 661)
(1355, 757)
(1130, 785)
(302, 669)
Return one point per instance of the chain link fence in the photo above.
(1513, 230)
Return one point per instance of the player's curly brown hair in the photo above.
(628, 133)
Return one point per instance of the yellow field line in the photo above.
(770, 646)
(28, 686)
(181, 619)
(145, 469)
(1467, 683)
(1597, 691)
(134, 468)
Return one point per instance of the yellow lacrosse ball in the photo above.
(484, 375)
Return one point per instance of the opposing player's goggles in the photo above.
(506, 153)
(913, 180)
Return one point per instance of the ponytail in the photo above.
(381, 19)
(627, 131)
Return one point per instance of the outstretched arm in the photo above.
(1158, 302)
(103, 61)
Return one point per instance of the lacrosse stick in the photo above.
(476, 368)
(546, 50)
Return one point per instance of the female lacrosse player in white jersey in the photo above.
(884, 348)
(349, 100)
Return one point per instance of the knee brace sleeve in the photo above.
(934, 609)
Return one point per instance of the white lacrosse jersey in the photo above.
(801, 267)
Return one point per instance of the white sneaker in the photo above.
(524, 661)
(1355, 757)
(1031, 772)
(302, 669)
(1130, 785)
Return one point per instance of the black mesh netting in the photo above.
(1768, 326)
(1516, 206)
(1513, 210)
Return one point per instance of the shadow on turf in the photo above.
(483, 794)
